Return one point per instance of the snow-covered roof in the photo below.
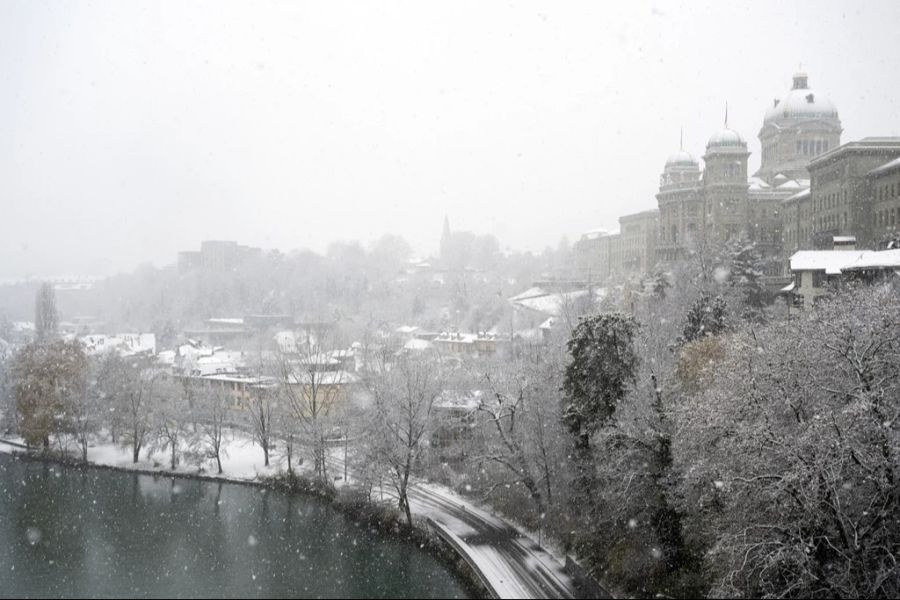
(801, 103)
(883, 259)
(830, 261)
(757, 183)
(405, 329)
(126, 344)
(416, 344)
(554, 304)
(322, 377)
(799, 195)
(459, 338)
(681, 158)
(834, 262)
(532, 292)
(725, 137)
(888, 166)
(226, 321)
(790, 184)
(253, 380)
(166, 357)
(452, 399)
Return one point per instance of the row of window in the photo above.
(887, 217)
(831, 221)
(828, 201)
(811, 147)
(887, 191)
(733, 170)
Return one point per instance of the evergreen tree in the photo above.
(707, 316)
(746, 267)
(603, 365)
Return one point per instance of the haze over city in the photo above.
(449, 300)
(131, 131)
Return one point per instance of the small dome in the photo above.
(801, 103)
(681, 159)
(726, 138)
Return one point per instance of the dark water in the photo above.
(70, 532)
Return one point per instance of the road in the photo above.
(515, 565)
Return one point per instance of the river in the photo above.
(91, 532)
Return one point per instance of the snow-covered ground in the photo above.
(242, 459)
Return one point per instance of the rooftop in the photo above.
(801, 103)
(830, 261)
(865, 145)
(886, 168)
(835, 262)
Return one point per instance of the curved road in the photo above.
(515, 565)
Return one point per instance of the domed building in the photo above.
(711, 201)
(725, 184)
(680, 204)
(797, 128)
(718, 202)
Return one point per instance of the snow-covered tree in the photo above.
(789, 457)
(519, 408)
(601, 369)
(312, 386)
(404, 391)
(211, 414)
(131, 384)
(173, 417)
(707, 316)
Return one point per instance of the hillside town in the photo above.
(392, 300)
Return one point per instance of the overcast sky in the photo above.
(132, 130)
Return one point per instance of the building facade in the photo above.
(808, 190)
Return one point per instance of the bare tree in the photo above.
(84, 413)
(262, 404)
(404, 392)
(261, 413)
(286, 428)
(172, 422)
(312, 386)
(521, 410)
(132, 384)
(212, 417)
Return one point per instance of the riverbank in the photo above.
(87, 532)
(510, 564)
(374, 516)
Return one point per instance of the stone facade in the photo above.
(808, 190)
